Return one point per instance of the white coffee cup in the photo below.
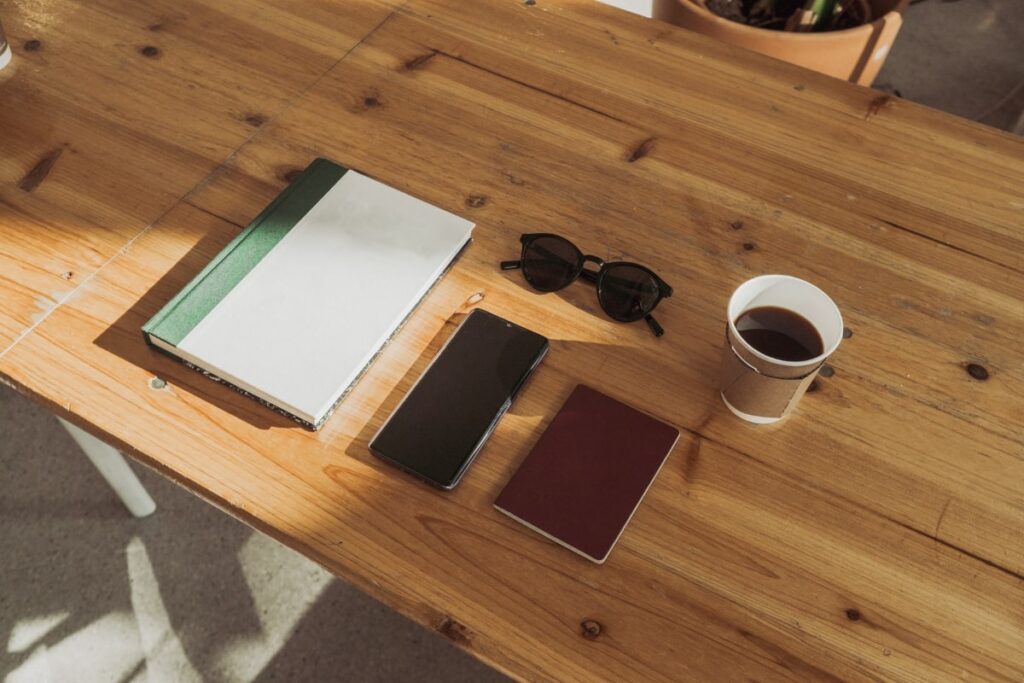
(755, 386)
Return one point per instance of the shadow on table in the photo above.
(576, 362)
(124, 339)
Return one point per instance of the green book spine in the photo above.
(200, 296)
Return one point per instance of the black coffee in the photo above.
(780, 333)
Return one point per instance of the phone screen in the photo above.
(442, 423)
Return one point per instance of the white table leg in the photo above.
(115, 470)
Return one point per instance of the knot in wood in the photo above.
(590, 629)
(978, 372)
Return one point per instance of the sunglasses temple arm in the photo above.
(511, 265)
(657, 329)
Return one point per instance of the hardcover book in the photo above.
(296, 307)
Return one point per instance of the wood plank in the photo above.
(731, 570)
(113, 111)
(928, 172)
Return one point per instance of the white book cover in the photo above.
(301, 324)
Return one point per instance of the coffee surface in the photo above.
(780, 333)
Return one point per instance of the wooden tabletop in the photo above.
(878, 533)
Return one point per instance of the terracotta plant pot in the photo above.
(853, 54)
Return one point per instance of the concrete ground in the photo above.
(87, 593)
(965, 57)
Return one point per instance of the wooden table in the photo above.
(876, 534)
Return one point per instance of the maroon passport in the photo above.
(582, 482)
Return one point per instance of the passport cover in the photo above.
(586, 476)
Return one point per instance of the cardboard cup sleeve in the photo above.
(755, 387)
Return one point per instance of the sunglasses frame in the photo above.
(597, 277)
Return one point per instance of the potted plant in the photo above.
(848, 39)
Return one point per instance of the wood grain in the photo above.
(873, 535)
(114, 110)
(913, 336)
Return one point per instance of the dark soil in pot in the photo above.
(775, 14)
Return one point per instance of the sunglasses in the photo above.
(626, 291)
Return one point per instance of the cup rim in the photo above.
(820, 358)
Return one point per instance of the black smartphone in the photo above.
(444, 420)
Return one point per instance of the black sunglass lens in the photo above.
(628, 293)
(550, 263)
